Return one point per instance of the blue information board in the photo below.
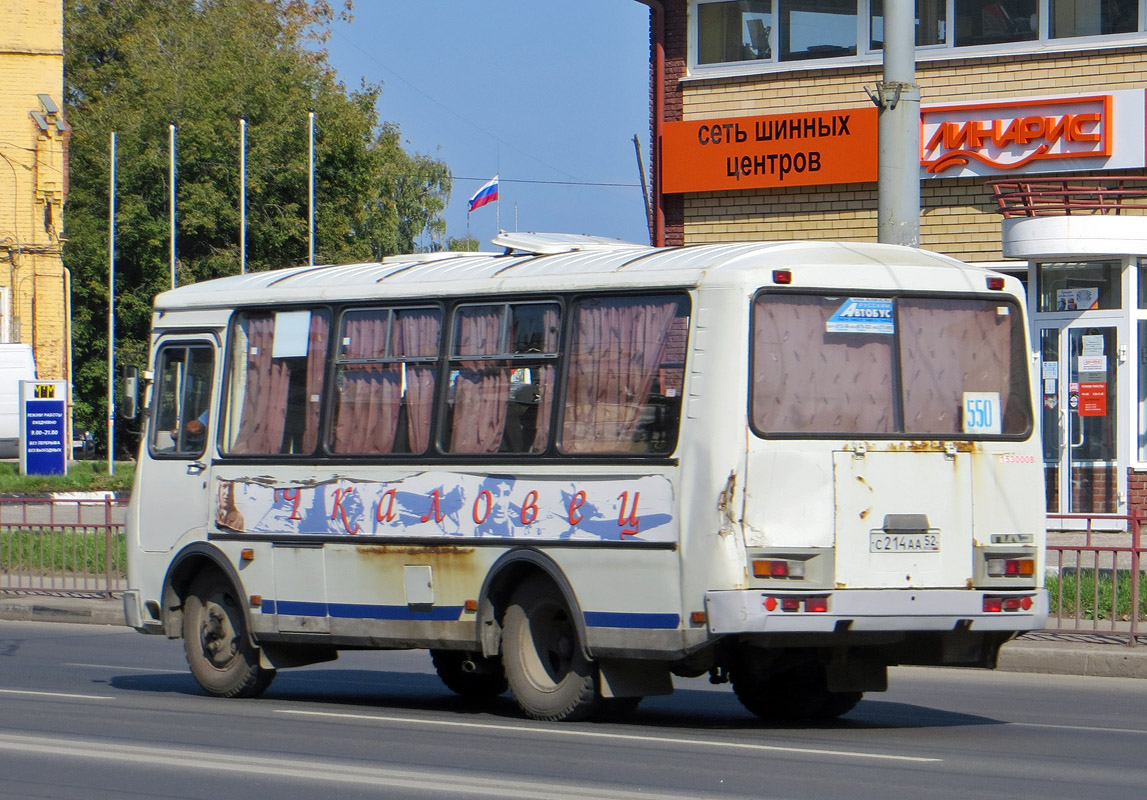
(43, 428)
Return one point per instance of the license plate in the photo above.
(882, 542)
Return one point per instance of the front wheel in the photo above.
(215, 638)
(550, 677)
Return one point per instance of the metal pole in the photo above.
(898, 168)
(242, 196)
(311, 190)
(111, 307)
(171, 200)
(644, 187)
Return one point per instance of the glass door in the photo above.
(1079, 371)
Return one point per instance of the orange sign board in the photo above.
(808, 149)
(1011, 134)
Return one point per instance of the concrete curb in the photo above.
(42, 608)
(1114, 660)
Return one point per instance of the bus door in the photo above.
(180, 442)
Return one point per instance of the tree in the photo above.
(466, 244)
(134, 67)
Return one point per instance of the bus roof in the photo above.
(543, 262)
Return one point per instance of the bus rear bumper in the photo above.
(755, 611)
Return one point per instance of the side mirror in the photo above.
(130, 401)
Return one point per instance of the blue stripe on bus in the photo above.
(593, 619)
(624, 619)
(358, 611)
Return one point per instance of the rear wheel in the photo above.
(215, 638)
(549, 675)
(468, 674)
(798, 693)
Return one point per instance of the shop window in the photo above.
(931, 23)
(1078, 285)
(816, 29)
(1092, 18)
(981, 22)
(738, 31)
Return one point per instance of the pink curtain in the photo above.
(545, 378)
(949, 347)
(482, 388)
(316, 369)
(366, 414)
(266, 388)
(617, 350)
(807, 380)
(418, 334)
(263, 418)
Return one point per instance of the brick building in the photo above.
(34, 289)
(764, 129)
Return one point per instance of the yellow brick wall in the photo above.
(33, 172)
(957, 215)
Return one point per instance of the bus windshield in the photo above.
(888, 366)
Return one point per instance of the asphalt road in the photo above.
(102, 712)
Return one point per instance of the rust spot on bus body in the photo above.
(416, 550)
(928, 446)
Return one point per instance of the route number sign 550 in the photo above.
(981, 412)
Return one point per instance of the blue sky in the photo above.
(548, 95)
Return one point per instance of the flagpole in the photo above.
(171, 200)
(111, 307)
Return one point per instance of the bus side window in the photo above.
(626, 375)
(278, 363)
(182, 400)
(502, 372)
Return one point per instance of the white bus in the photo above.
(580, 467)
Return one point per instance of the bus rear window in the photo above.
(907, 366)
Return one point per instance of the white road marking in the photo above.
(626, 737)
(1139, 731)
(57, 694)
(130, 669)
(322, 771)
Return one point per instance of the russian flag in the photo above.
(487, 194)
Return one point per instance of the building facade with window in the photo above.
(34, 290)
(1033, 156)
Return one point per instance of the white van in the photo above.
(17, 363)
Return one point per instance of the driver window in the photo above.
(182, 400)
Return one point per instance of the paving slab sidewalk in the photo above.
(1092, 653)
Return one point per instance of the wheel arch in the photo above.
(190, 562)
(505, 575)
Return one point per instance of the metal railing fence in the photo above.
(54, 546)
(1095, 574)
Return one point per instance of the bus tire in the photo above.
(217, 643)
(469, 675)
(799, 693)
(550, 677)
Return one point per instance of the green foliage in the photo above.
(133, 67)
(83, 476)
(1088, 608)
(466, 244)
(71, 551)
